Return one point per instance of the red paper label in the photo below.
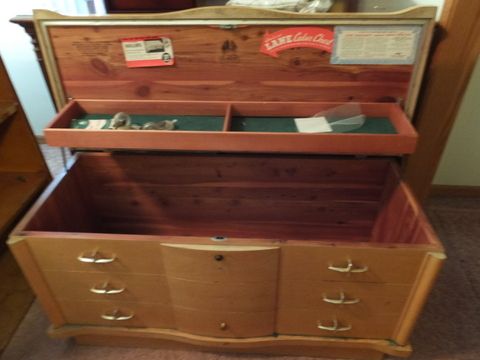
(312, 37)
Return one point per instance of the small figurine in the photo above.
(121, 119)
(160, 125)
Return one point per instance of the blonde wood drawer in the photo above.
(225, 324)
(97, 255)
(228, 296)
(221, 263)
(329, 296)
(331, 263)
(82, 286)
(349, 324)
(117, 313)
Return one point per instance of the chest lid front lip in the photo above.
(218, 58)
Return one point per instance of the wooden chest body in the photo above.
(275, 245)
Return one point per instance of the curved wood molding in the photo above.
(242, 12)
(426, 279)
(384, 346)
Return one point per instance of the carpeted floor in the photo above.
(449, 328)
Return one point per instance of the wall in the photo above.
(460, 163)
(20, 60)
(22, 67)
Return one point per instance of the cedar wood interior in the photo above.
(288, 197)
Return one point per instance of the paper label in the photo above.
(376, 45)
(313, 125)
(313, 37)
(148, 51)
(93, 124)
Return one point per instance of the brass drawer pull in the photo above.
(223, 326)
(342, 300)
(117, 315)
(350, 268)
(335, 327)
(107, 289)
(95, 258)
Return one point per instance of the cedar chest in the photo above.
(233, 232)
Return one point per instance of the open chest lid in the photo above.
(232, 72)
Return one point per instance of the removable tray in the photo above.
(233, 127)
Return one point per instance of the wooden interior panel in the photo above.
(229, 170)
(215, 64)
(257, 196)
(235, 196)
(401, 219)
(67, 210)
(153, 107)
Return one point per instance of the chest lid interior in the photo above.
(234, 73)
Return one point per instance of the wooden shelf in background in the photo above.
(17, 191)
(15, 297)
(7, 109)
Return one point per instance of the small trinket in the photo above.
(129, 127)
(160, 125)
(120, 119)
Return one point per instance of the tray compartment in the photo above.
(219, 126)
(248, 117)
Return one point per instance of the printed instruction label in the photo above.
(148, 51)
(312, 37)
(376, 45)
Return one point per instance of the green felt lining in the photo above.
(184, 122)
(373, 125)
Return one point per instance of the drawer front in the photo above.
(221, 263)
(111, 313)
(226, 291)
(308, 322)
(351, 264)
(225, 324)
(331, 296)
(97, 255)
(84, 286)
(234, 296)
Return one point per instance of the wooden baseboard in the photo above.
(455, 190)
